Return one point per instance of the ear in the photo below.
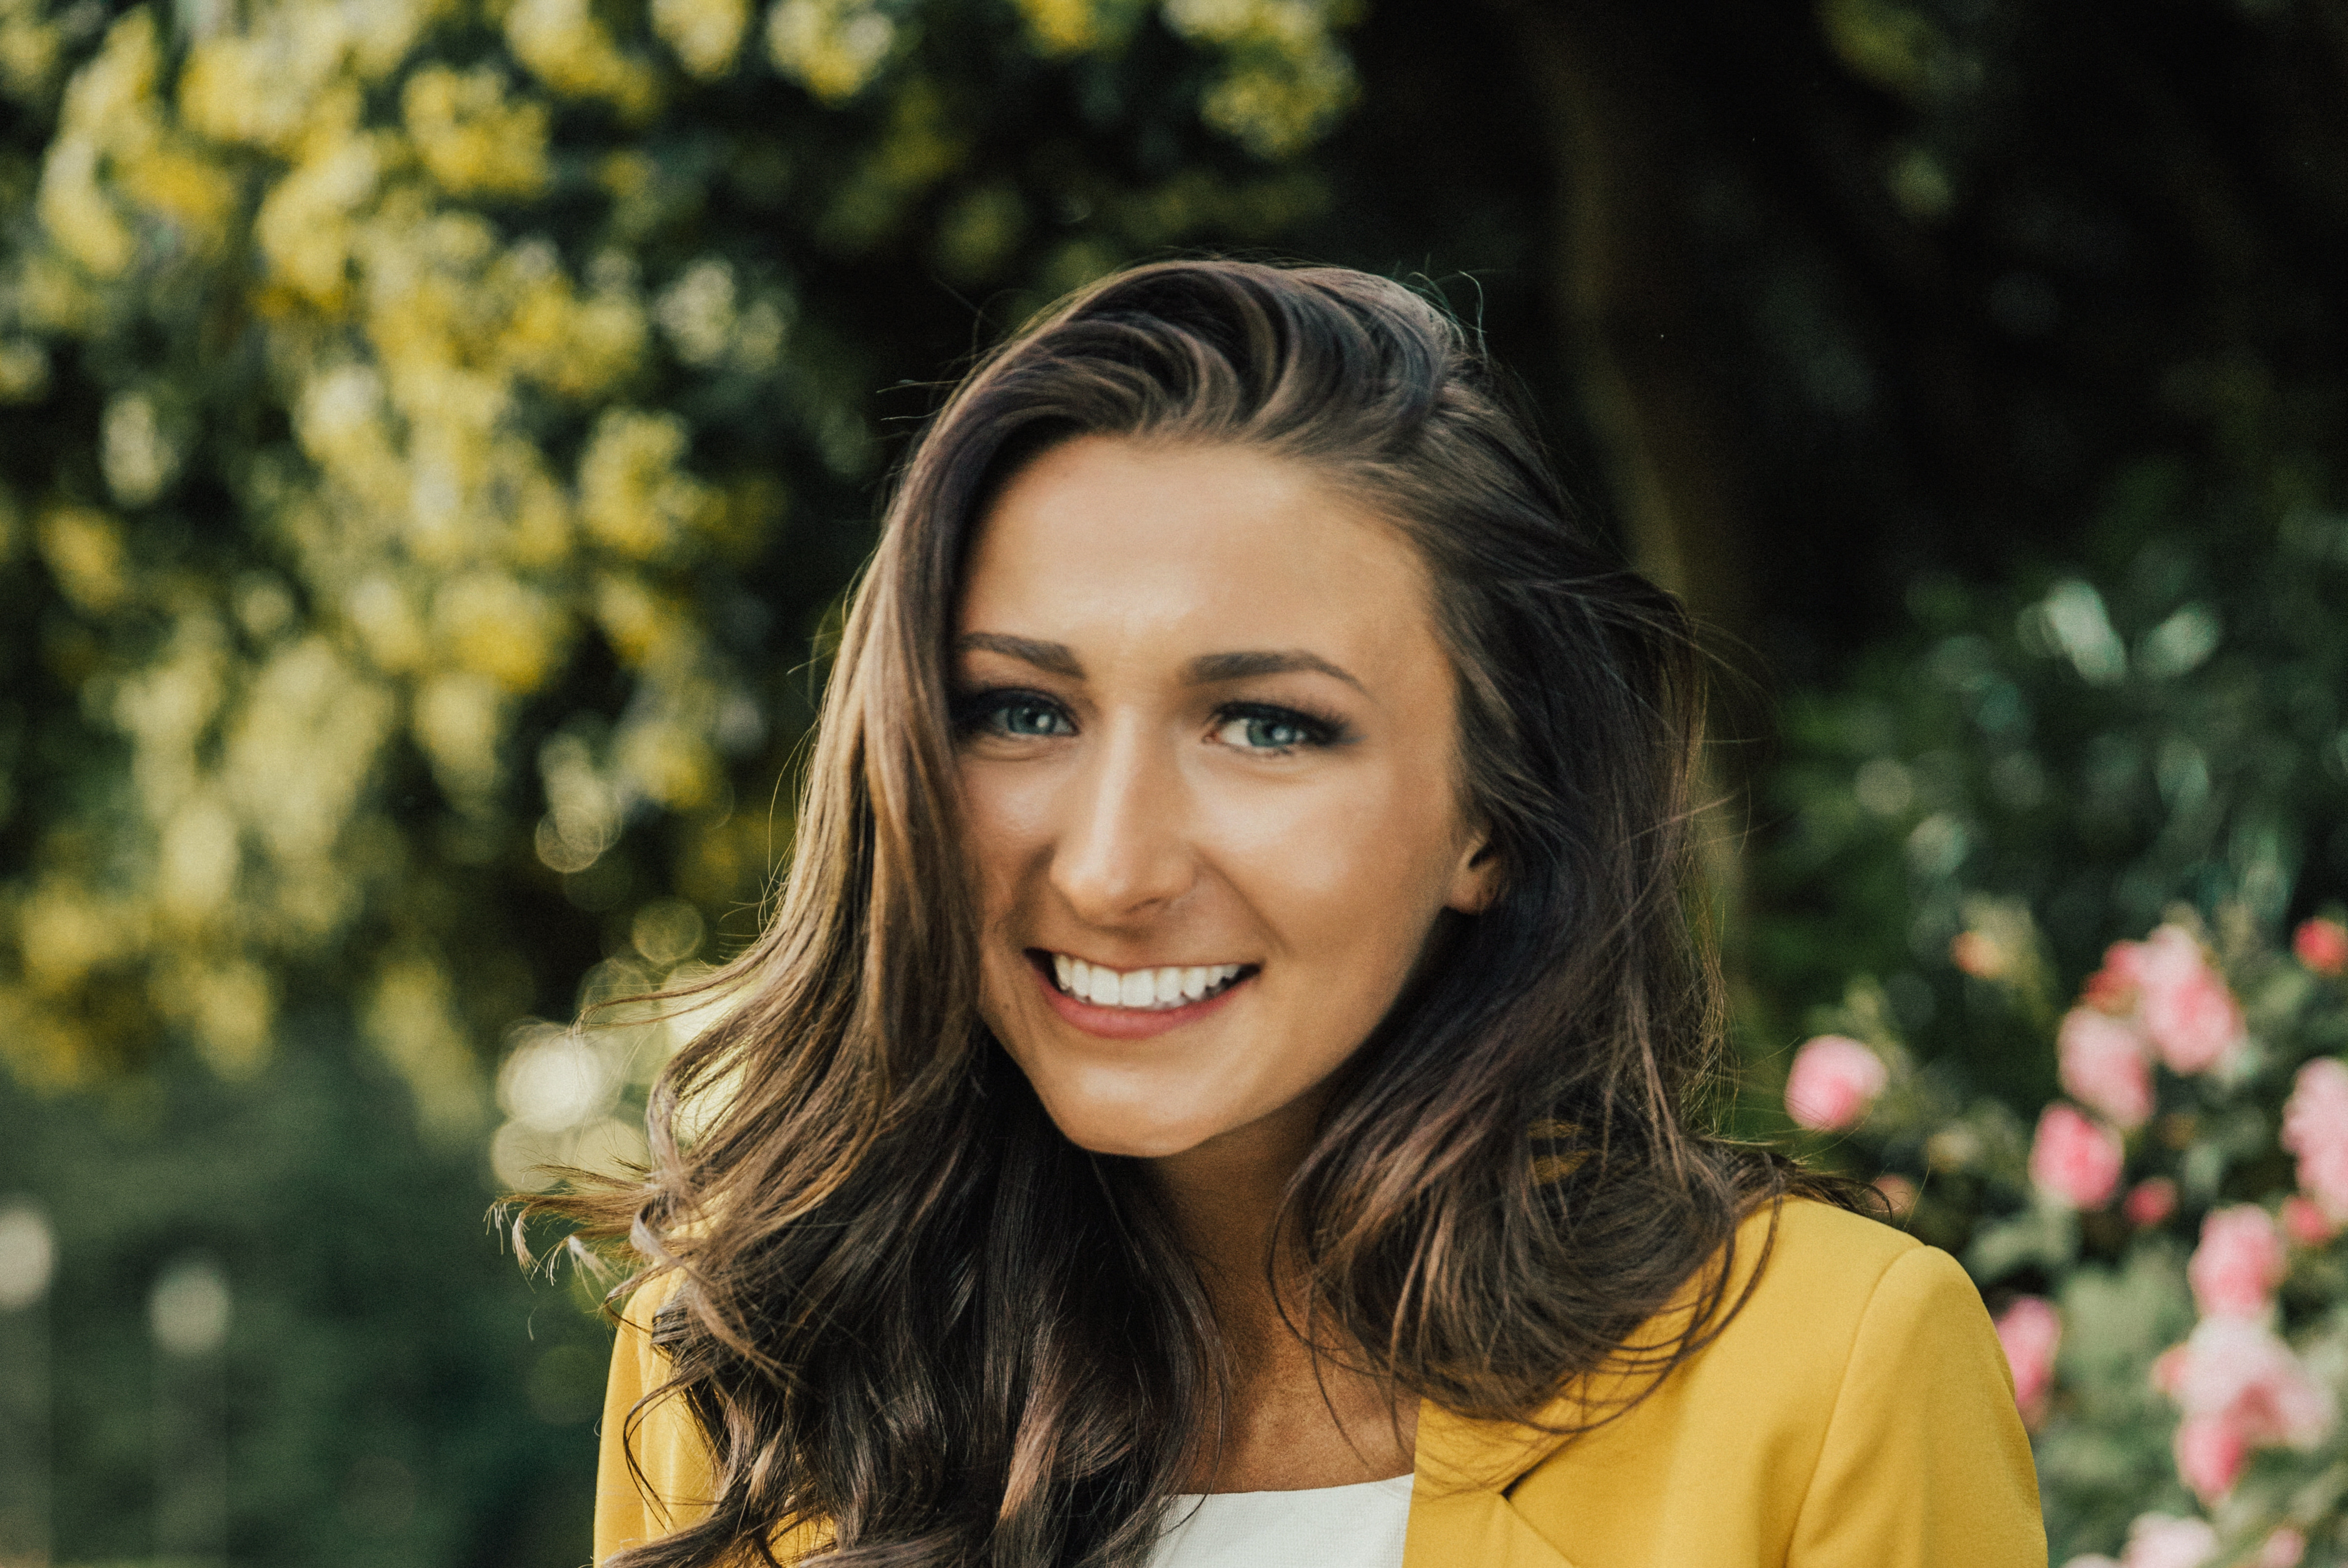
(1475, 878)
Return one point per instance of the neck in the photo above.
(1224, 1195)
(1293, 1420)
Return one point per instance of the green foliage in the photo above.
(2170, 724)
(395, 1391)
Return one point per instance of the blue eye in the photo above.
(1025, 714)
(1250, 728)
(1032, 718)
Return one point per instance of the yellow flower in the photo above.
(697, 311)
(65, 930)
(706, 34)
(458, 720)
(198, 197)
(669, 764)
(1072, 26)
(632, 497)
(137, 456)
(258, 91)
(388, 628)
(568, 49)
(470, 137)
(640, 625)
(304, 743)
(196, 865)
(572, 347)
(493, 625)
(304, 223)
(30, 45)
(339, 419)
(84, 550)
(166, 709)
(832, 47)
(411, 1017)
(77, 213)
(1275, 111)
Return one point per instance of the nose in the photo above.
(1123, 852)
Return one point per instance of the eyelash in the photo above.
(972, 710)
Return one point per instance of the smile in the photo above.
(1143, 990)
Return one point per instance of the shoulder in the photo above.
(652, 1473)
(1814, 1292)
(1807, 1285)
(1824, 1273)
(1854, 1398)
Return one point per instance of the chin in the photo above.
(1124, 1132)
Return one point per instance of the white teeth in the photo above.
(1171, 986)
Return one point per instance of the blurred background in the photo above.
(435, 436)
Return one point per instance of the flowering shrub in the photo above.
(2161, 1248)
(436, 428)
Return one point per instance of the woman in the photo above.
(1224, 1081)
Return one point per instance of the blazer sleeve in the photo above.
(668, 1485)
(1925, 1462)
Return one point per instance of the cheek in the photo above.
(1359, 870)
(1006, 819)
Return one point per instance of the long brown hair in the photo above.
(914, 1311)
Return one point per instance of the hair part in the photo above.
(913, 1313)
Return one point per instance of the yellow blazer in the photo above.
(1858, 1413)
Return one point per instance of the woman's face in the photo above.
(1207, 751)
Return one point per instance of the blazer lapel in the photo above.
(1459, 1510)
(1483, 1528)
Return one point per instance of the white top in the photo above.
(1358, 1526)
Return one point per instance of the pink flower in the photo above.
(2239, 1262)
(2150, 1200)
(2184, 1003)
(2315, 1127)
(1833, 1082)
(2157, 1541)
(2075, 1159)
(2165, 986)
(2210, 1454)
(2030, 1330)
(2322, 945)
(2112, 988)
(2103, 1065)
(2283, 1548)
(2241, 1387)
(2304, 1222)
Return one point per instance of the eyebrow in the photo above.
(1056, 657)
(1207, 669)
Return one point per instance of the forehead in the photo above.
(1108, 543)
